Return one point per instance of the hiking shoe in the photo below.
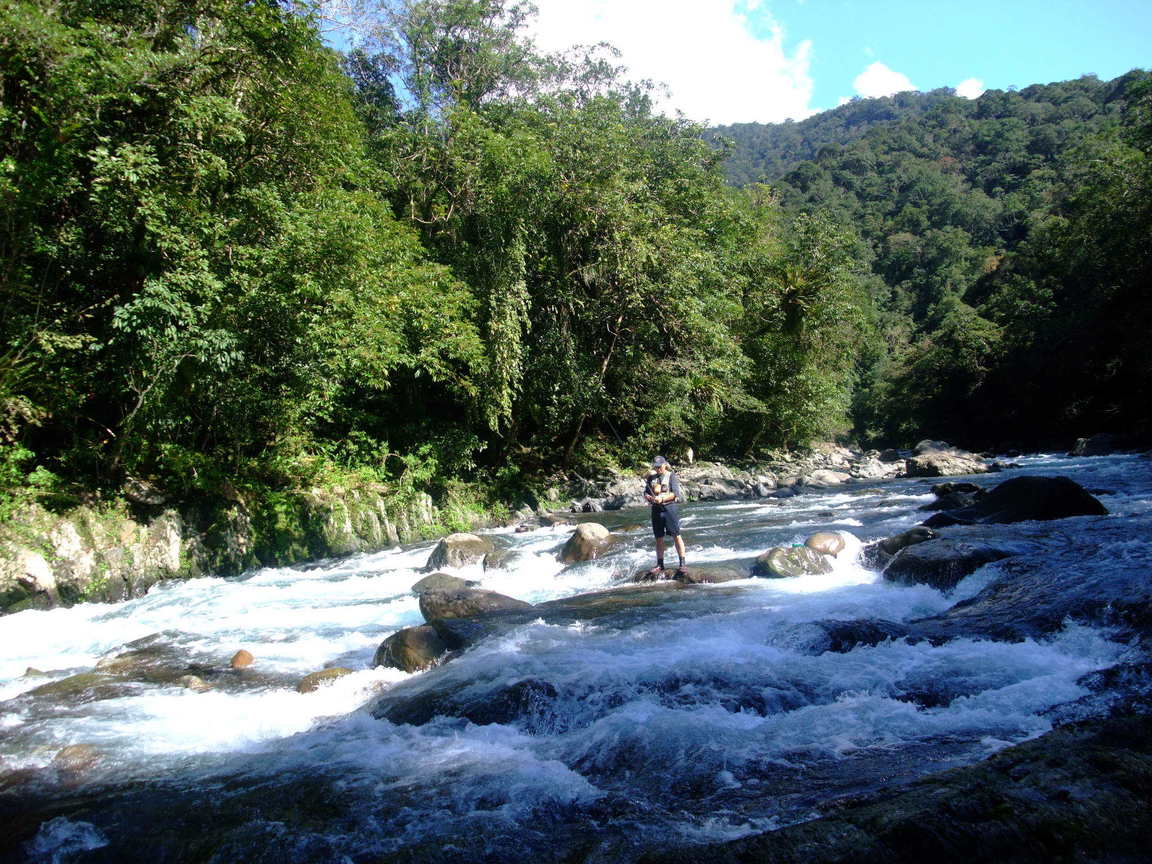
(655, 572)
(681, 573)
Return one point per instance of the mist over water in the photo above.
(710, 716)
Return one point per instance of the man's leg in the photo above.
(679, 540)
(660, 552)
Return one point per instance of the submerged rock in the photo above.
(587, 542)
(1025, 499)
(76, 758)
(791, 561)
(315, 680)
(528, 702)
(941, 563)
(412, 649)
(840, 637)
(459, 550)
(194, 683)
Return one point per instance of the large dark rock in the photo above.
(1045, 585)
(941, 563)
(919, 534)
(1081, 793)
(782, 562)
(411, 650)
(459, 550)
(587, 542)
(468, 603)
(954, 496)
(1025, 499)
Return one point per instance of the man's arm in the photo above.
(674, 488)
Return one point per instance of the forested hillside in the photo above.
(1009, 239)
(234, 258)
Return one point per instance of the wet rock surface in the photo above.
(941, 563)
(789, 562)
(1040, 588)
(1081, 793)
(442, 582)
(1024, 499)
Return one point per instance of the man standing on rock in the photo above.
(662, 491)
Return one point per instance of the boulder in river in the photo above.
(458, 550)
(876, 555)
(412, 649)
(315, 680)
(822, 478)
(789, 561)
(467, 604)
(442, 582)
(1024, 499)
(941, 563)
(587, 542)
(1100, 444)
(939, 459)
(826, 542)
(953, 496)
(242, 659)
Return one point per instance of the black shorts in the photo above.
(666, 520)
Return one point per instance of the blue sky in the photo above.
(728, 61)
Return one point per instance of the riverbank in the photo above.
(115, 550)
(118, 549)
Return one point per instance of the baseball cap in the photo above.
(658, 461)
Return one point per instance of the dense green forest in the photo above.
(233, 256)
(1009, 239)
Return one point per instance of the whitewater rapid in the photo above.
(707, 719)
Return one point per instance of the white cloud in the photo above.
(879, 80)
(971, 88)
(716, 70)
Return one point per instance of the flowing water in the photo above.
(707, 717)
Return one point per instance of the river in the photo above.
(705, 718)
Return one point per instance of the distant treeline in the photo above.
(1009, 238)
(231, 256)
